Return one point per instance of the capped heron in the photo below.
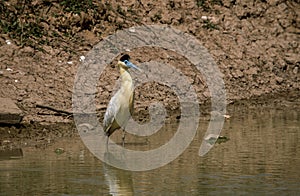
(120, 106)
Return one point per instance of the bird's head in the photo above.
(126, 64)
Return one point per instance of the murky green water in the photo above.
(262, 157)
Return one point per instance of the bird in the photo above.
(120, 107)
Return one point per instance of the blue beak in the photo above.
(131, 65)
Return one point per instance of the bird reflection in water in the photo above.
(119, 181)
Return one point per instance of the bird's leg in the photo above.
(123, 138)
(107, 143)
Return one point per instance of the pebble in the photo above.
(82, 58)
(8, 42)
(132, 29)
(295, 70)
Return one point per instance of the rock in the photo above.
(295, 70)
(278, 79)
(10, 113)
(237, 74)
(6, 154)
(252, 71)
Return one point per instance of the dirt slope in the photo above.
(255, 44)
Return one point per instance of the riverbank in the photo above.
(43, 134)
(254, 44)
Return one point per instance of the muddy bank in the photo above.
(44, 134)
(255, 45)
(37, 135)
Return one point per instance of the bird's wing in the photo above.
(131, 103)
(109, 116)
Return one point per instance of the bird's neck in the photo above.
(126, 80)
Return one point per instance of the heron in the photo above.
(120, 107)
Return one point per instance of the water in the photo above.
(262, 157)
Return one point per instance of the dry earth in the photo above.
(254, 43)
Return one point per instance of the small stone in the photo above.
(237, 74)
(59, 151)
(279, 80)
(8, 42)
(204, 17)
(82, 58)
(295, 70)
(132, 29)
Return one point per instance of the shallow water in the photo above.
(261, 157)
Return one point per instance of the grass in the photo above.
(207, 5)
(24, 22)
(209, 25)
(20, 25)
(77, 6)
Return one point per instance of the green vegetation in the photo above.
(209, 25)
(207, 5)
(157, 16)
(77, 6)
(18, 23)
(36, 23)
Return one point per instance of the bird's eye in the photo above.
(126, 62)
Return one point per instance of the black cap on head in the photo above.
(125, 57)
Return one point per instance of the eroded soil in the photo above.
(255, 44)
